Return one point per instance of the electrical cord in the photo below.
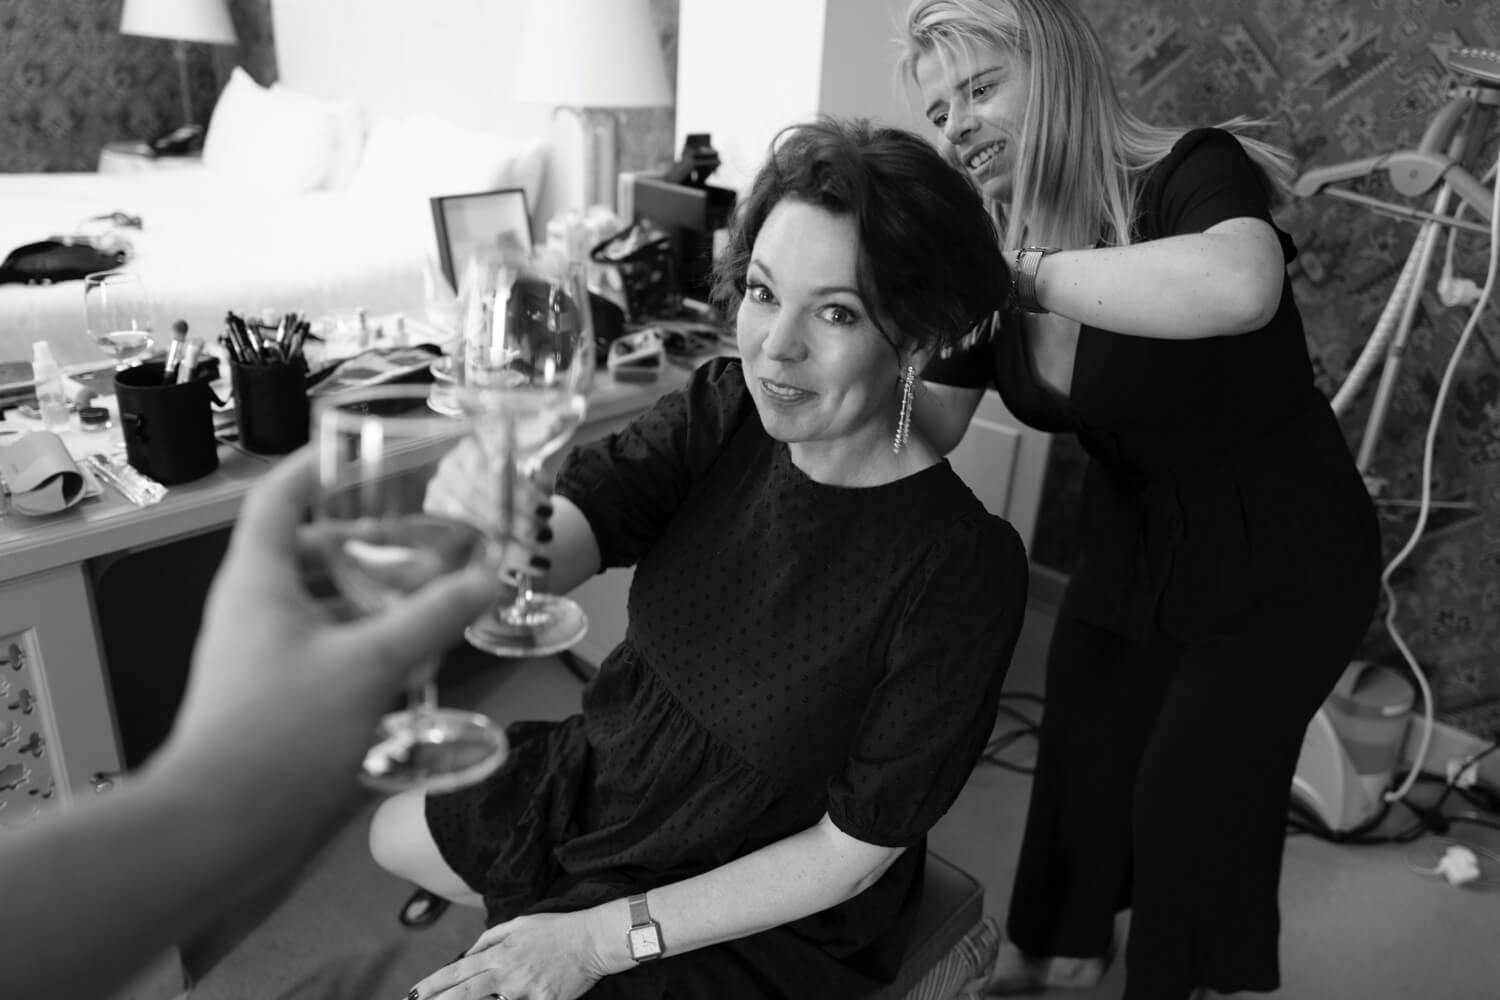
(1449, 285)
(1459, 864)
(1301, 820)
(1428, 450)
(1429, 818)
(999, 742)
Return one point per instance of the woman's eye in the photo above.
(939, 121)
(840, 316)
(980, 91)
(757, 292)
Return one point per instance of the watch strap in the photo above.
(640, 914)
(1028, 262)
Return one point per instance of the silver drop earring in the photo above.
(903, 421)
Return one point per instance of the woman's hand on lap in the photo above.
(542, 956)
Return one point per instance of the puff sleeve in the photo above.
(933, 712)
(629, 485)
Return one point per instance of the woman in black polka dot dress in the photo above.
(821, 619)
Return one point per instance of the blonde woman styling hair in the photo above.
(1228, 550)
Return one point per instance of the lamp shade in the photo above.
(590, 54)
(183, 20)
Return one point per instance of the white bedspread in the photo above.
(208, 245)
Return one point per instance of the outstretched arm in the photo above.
(1224, 280)
(257, 773)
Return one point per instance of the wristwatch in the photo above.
(644, 937)
(1028, 260)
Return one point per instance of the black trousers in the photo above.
(1162, 784)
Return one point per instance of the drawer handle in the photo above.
(103, 781)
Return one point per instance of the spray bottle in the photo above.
(50, 399)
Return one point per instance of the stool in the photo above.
(952, 942)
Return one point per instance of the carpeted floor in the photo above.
(1357, 923)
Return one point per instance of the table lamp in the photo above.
(592, 57)
(182, 21)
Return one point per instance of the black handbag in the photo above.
(49, 261)
(643, 257)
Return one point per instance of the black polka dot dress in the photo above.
(794, 650)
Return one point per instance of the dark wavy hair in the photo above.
(929, 265)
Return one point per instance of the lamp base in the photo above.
(179, 53)
(601, 155)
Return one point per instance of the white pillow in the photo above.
(423, 157)
(348, 128)
(231, 127)
(278, 147)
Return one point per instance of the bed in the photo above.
(208, 244)
(312, 194)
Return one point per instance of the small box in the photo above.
(691, 215)
(676, 206)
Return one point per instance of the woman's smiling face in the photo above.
(977, 103)
(822, 376)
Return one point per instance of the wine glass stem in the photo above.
(422, 692)
(519, 610)
(526, 592)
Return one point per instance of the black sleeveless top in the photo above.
(1218, 481)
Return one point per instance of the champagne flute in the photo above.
(528, 355)
(383, 537)
(117, 315)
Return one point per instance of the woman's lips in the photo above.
(979, 160)
(780, 392)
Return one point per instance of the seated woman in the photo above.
(821, 619)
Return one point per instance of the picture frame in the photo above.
(466, 222)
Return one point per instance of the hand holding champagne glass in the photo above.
(384, 537)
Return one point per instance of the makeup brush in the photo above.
(174, 352)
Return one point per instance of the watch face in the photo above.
(644, 942)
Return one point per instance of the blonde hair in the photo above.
(1081, 154)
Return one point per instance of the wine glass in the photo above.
(528, 355)
(117, 315)
(382, 538)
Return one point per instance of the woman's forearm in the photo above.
(573, 552)
(1223, 281)
(796, 877)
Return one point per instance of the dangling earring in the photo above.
(903, 421)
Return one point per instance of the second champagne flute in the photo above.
(117, 315)
(529, 352)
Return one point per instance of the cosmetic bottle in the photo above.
(50, 400)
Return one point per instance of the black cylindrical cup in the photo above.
(168, 429)
(271, 406)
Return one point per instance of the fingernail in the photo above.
(541, 562)
(544, 510)
(544, 535)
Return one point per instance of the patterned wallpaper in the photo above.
(70, 82)
(1342, 80)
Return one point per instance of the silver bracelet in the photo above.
(1028, 261)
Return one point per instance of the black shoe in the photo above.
(422, 909)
